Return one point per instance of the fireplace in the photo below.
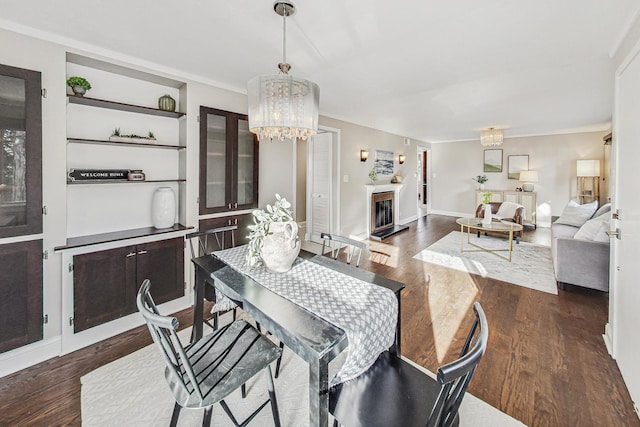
(382, 211)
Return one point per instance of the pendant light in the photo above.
(282, 106)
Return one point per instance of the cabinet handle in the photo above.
(228, 222)
(235, 221)
(235, 205)
(142, 252)
(229, 205)
(130, 254)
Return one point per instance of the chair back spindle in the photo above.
(353, 246)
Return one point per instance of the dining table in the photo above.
(312, 337)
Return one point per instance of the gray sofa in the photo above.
(579, 262)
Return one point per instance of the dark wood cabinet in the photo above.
(241, 235)
(105, 283)
(20, 152)
(21, 291)
(228, 162)
(20, 294)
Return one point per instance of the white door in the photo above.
(625, 287)
(423, 172)
(320, 151)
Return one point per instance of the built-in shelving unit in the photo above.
(122, 98)
(97, 239)
(123, 144)
(103, 103)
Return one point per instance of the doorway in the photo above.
(424, 183)
(323, 184)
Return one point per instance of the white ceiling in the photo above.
(424, 69)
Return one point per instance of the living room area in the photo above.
(409, 96)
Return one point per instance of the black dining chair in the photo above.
(202, 243)
(394, 392)
(206, 372)
(336, 243)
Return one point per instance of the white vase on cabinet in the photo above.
(163, 208)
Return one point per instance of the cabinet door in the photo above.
(20, 294)
(511, 196)
(163, 264)
(246, 191)
(228, 162)
(528, 200)
(20, 152)
(215, 161)
(104, 286)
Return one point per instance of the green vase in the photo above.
(167, 103)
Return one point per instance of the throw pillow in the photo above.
(507, 210)
(594, 229)
(575, 214)
(602, 210)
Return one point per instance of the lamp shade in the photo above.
(588, 168)
(528, 176)
(283, 107)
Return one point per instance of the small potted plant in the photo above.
(373, 175)
(273, 239)
(480, 179)
(79, 85)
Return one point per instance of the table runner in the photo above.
(366, 312)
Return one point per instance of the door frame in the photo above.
(334, 198)
(423, 208)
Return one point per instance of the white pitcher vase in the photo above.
(281, 246)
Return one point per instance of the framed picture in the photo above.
(493, 160)
(518, 164)
(384, 162)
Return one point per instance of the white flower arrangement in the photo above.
(279, 212)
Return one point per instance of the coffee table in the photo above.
(496, 226)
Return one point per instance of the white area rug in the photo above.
(531, 265)
(131, 391)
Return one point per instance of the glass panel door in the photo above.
(246, 162)
(20, 152)
(216, 161)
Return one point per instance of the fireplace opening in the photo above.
(382, 211)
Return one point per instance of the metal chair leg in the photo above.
(279, 362)
(272, 398)
(243, 387)
(175, 415)
(206, 419)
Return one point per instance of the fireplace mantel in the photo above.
(372, 188)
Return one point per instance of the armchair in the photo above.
(505, 211)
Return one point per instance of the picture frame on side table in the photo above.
(517, 164)
(493, 160)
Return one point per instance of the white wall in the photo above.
(354, 138)
(553, 156)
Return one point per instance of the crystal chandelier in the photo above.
(281, 106)
(491, 137)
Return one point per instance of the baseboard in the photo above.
(608, 339)
(408, 220)
(449, 213)
(29, 355)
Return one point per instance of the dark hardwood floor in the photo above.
(546, 363)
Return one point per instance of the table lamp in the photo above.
(528, 178)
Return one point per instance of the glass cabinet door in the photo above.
(20, 152)
(228, 162)
(247, 176)
(216, 162)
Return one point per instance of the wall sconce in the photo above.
(401, 158)
(364, 155)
